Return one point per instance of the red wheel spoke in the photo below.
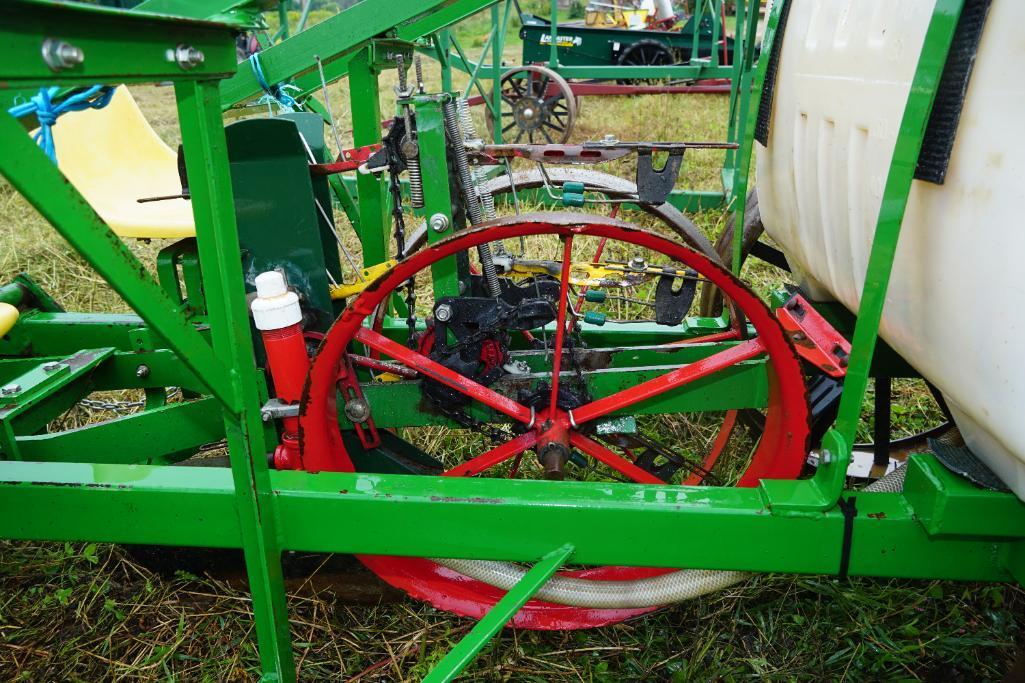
(723, 438)
(439, 373)
(560, 321)
(484, 461)
(670, 380)
(708, 338)
(610, 458)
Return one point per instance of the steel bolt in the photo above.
(185, 56)
(439, 222)
(797, 336)
(826, 457)
(52, 366)
(638, 263)
(357, 410)
(142, 371)
(265, 415)
(609, 140)
(443, 313)
(60, 55)
(10, 389)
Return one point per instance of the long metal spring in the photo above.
(416, 181)
(408, 145)
(470, 130)
(455, 136)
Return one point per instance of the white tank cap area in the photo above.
(274, 307)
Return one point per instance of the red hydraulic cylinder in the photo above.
(278, 316)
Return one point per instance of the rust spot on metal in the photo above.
(877, 515)
(475, 499)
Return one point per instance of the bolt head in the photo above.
(52, 366)
(185, 56)
(638, 263)
(265, 415)
(59, 55)
(10, 389)
(443, 313)
(439, 222)
(826, 457)
(357, 410)
(142, 371)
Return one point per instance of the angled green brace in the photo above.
(339, 36)
(32, 173)
(499, 615)
(836, 444)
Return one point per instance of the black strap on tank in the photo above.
(769, 86)
(849, 509)
(950, 95)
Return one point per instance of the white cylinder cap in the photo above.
(274, 307)
(269, 284)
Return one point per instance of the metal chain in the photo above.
(123, 406)
(395, 187)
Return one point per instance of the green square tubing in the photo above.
(365, 97)
(206, 158)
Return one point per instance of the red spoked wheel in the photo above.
(548, 427)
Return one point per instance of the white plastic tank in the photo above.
(956, 301)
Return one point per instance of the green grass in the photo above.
(88, 612)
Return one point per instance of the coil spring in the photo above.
(456, 139)
(416, 182)
(470, 131)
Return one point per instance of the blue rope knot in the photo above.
(277, 93)
(46, 111)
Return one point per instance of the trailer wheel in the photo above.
(537, 106)
(645, 52)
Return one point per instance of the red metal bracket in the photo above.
(348, 386)
(815, 339)
(348, 160)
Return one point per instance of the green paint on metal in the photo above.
(206, 157)
(931, 61)
(99, 33)
(948, 505)
(32, 173)
(498, 616)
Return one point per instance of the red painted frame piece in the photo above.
(780, 453)
(350, 160)
(815, 340)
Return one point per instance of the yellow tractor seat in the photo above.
(113, 157)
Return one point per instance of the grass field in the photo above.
(89, 612)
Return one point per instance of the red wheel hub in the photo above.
(779, 455)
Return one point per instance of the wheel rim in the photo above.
(538, 106)
(780, 452)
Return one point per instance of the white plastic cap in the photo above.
(270, 284)
(274, 307)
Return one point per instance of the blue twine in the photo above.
(278, 93)
(47, 111)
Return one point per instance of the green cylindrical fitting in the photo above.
(594, 318)
(595, 296)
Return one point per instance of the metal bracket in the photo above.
(276, 409)
(654, 187)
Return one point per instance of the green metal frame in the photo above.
(939, 526)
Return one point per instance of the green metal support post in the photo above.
(828, 482)
(437, 192)
(366, 126)
(206, 157)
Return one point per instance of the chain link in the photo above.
(122, 407)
